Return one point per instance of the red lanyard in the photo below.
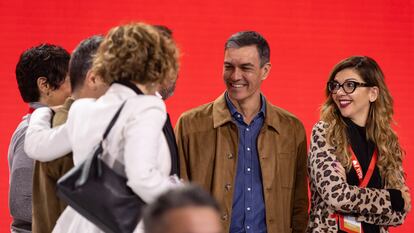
(363, 180)
(31, 110)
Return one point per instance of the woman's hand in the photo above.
(340, 169)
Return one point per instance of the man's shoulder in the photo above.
(61, 115)
(21, 129)
(283, 115)
(200, 112)
(196, 120)
(17, 140)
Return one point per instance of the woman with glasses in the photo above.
(355, 161)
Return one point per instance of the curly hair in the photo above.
(139, 53)
(45, 60)
(379, 122)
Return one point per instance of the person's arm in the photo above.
(142, 133)
(332, 185)
(21, 170)
(393, 218)
(42, 142)
(182, 150)
(301, 200)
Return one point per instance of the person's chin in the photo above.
(346, 113)
(236, 95)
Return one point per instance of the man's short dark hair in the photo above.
(247, 38)
(187, 196)
(81, 60)
(45, 60)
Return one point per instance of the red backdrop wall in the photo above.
(306, 37)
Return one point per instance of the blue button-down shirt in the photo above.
(248, 211)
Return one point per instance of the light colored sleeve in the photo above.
(392, 218)
(43, 143)
(142, 133)
(332, 186)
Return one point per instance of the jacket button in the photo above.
(224, 217)
(230, 156)
(227, 187)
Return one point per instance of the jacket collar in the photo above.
(222, 115)
(130, 85)
(68, 102)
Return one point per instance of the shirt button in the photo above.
(248, 148)
(238, 115)
(227, 187)
(224, 217)
(248, 169)
(230, 156)
(247, 129)
(249, 189)
(247, 227)
(248, 208)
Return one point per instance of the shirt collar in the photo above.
(222, 115)
(36, 105)
(233, 110)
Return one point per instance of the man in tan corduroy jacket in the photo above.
(249, 154)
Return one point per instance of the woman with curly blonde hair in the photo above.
(355, 161)
(136, 61)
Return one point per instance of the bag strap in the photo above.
(112, 123)
(97, 153)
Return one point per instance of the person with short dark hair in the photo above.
(188, 209)
(47, 206)
(41, 75)
(250, 154)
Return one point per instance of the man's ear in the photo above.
(43, 85)
(266, 70)
(91, 80)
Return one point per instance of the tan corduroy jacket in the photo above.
(46, 205)
(207, 145)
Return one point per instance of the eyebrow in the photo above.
(348, 79)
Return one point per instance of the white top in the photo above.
(136, 140)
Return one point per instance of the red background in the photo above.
(307, 38)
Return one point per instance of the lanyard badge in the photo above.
(348, 223)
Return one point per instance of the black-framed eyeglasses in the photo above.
(348, 86)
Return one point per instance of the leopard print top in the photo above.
(331, 194)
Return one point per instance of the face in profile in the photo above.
(242, 72)
(192, 219)
(353, 99)
(167, 90)
(58, 96)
